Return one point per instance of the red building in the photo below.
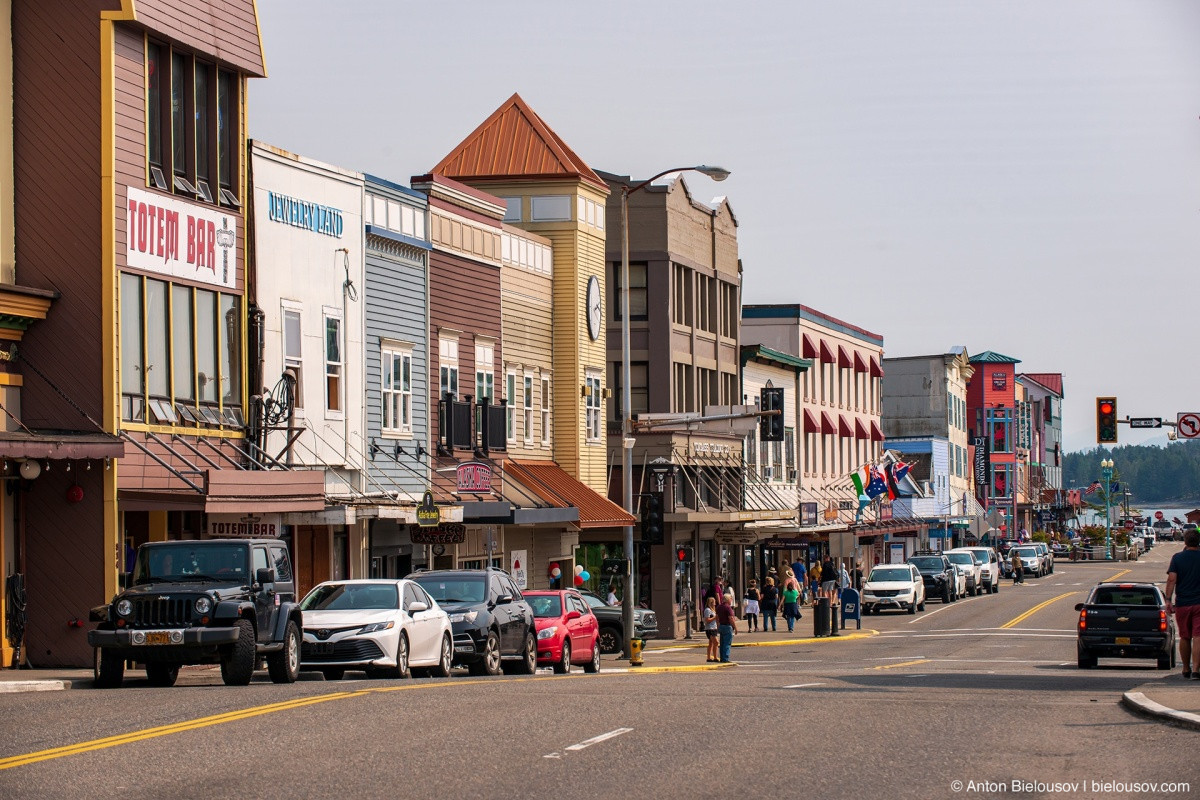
(993, 418)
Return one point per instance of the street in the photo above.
(984, 691)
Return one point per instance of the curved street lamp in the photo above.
(627, 441)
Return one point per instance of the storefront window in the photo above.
(181, 336)
(158, 359)
(231, 349)
(132, 358)
(206, 346)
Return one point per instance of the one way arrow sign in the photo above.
(1145, 422)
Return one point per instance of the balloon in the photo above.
(579, 580)
(579, 569)
(556, 573)
(587, 576)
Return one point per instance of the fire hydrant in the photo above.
(635, 651)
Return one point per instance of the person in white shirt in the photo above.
(613, 600)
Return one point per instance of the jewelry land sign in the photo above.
(427, 513)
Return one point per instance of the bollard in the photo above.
(821, 617)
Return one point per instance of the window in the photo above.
(283, 567)
(485, 380)
(681, 285)
(637, 291)
(554, 207)
(133, 358)
(789, 452)
(527, 407)
(593, 407)
(512, 209)
(206, 346)
(293, 358)
(448, 358)
(396, 387)
(181, 336)
(545, 411)
(510, 410)
(333, 364)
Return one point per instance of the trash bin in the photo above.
(821, 617)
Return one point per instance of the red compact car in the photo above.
(567, 631)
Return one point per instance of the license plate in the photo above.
(158, 637)
(1122, 640)
(323, 649)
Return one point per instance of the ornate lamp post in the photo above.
(627, 441)
(1106, 470)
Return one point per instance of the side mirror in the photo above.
(264, 575)
(1079, 606)
(573, 614)
(504, 598)
(416, 606)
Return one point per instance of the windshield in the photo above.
(890, 574)
(927, 563)
(965, 559)
(454, 590)
(192, 561)
(1027, 552)
(351, 596)
(545, 605)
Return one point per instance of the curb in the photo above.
(12, 687)
(1138, 703)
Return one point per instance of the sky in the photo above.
(1022, 177)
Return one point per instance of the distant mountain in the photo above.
(1153, 474)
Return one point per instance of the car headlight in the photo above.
(124, 608)
(464, 616)
(546, 633)
(203, 605)
(378, 626)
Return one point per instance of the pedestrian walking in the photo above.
(829, 578)
(814, 576)
(791, 605)
(1183, 583)
(750, 607)
(1018, 573)
(857, 576)
(769, 604)
(710, 628)
(801, 573)
(727, 627)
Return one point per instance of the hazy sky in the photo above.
(1021, 177)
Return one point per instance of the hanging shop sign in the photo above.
(179, 239)
(427, 512)
(735, 537)
(808, 514)
(242, 526)
(474, 477)
(445, 533)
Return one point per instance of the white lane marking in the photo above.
(604, 737)
(803, 685)
(926, 615)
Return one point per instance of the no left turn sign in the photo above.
(1188, 425)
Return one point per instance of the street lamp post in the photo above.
(627, 441)
(1106, 470)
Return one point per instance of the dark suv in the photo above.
(938, 574)
(492, 622)
(612, 623)
(220, 601)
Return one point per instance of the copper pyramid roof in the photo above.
(514, 142)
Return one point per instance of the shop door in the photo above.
(312, 557)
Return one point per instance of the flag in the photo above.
(860, 478)
(1092, 489)
(1114, 488)
(878, 484)
(895, 473)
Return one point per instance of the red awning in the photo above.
(876, 370)
(876, 434)
(827, 352)
(827, 423)
(860, 430)
(859, 364)
(809, 350)
(810, 422)
(844, 361)
(844, 426)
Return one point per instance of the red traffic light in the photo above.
(1106, 407)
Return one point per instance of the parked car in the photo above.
(1031, 560)
(939, 575)
(897, 586)
(567, 630)
(219, 601)
(990, 568)
(1125, 620)
(970, 567)
(384, 627)
(612, 624)
(492, 622)
(1047, 557)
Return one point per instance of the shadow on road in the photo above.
(1089, 681)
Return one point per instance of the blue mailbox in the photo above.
(851, 608)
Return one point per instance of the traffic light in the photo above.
(1106, 420)
(770, 428)
(683, 554)
(652, 519)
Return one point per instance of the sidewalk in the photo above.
(1170, 699)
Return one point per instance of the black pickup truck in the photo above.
(1125, 620)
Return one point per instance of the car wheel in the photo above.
(610, 640)
(284, 666)
(402, 670)
(1164, 661)
(921, 605)
(912, 607)
(333, 673)
(563, 666)
(442, 670)
(1084, 658)
(528, 665)
(108, 669)
(490, 663)
(237, 667)
(593, 666)
(996, 586)
(946, 594)
(162, 673)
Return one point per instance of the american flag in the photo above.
(1091, 489)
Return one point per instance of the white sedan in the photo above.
(385, 627)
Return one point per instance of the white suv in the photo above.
(989, 566)
(968, 563)
(893, 586)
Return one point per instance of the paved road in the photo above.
(984, 691)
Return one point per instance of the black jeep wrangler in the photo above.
(220, 601)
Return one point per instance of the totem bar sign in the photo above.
(428, 515)
(445, 533)
(179, 239)
(474, 477)
(256, 526)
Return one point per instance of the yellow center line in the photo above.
(901, 664)
(1019, 619)
(1119, 574)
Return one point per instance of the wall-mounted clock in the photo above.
(593, 308)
